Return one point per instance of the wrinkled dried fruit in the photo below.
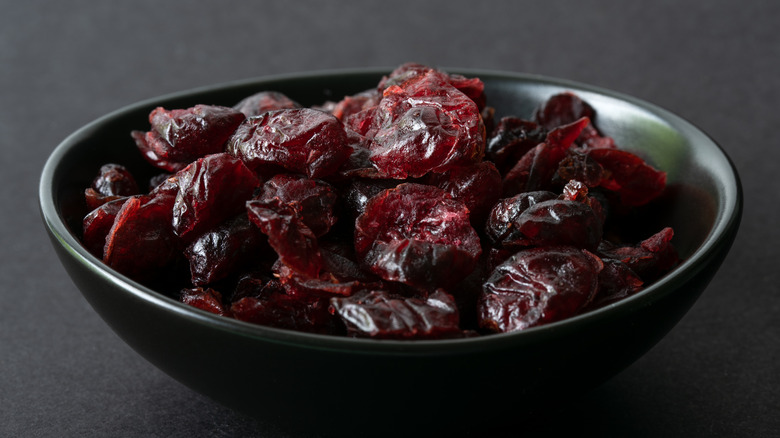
(425, 125)
(264, 101)
(417, 235)
(205, 299)
(411, 210)
(211, 190)
(538, 286)
(300, 140)
(225, 249)
(379, 315)
(141, 242)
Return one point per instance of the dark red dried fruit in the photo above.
(512, 138)
(97, 223)
(205, 299)
(224, 250)
(314, 202)
(113, 181)
(417, 235)
(300, 140)
(292, 240)
(616, 282)
(474, 88)
(211, 190)
(181, 135)
(563, 109)
(650, 259)
(141, 242)
(536, 168)
(354, 104)
(286, 312)
(636, 182)
(474, 185)
(425, 125)
(379, 315)
(501, 223)
(538, 286)
(264, 101)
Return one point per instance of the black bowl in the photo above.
(364, 387)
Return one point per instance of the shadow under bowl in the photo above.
(349, 386)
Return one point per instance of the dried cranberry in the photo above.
(181, 135)
(354, 104)
(314, 202)
(474, 88)
(417, 235)
(512, 138)
(286, 312)
(636, 182)
(300, 140)
(264, 101)
(113, 181)
(616, 282)
(473, 185)
(225, 249)
(141, 242)
(536, 168)
(501, 223)
(425, 125)
(211, 190)
(292, 240)
(538, 286)
(650, 259)
(205, 299)
(379, 315)
(563, 109)
(97, 223)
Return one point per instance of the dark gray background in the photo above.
(63, 64)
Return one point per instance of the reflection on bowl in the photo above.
(350, 386)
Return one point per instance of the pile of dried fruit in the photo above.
(405, 211)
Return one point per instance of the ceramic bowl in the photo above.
(347, 386)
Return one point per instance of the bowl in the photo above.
(348, 386)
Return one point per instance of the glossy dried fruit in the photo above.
(650, 258)
(265, 101)
(113, 182)
(206, 299)
(224, 250)
(536, 168)
(301, 140)
(538, 286)
(417, 235)
(97, 223)
(210, 190)
(358, 216)
(512, 138)
(474, 186)
(314, 202)
(379, 315)
(425, 125)
(141, 242)
(181, 135)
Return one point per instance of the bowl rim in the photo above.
(726, 222)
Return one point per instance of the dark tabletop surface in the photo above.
(63, 372)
